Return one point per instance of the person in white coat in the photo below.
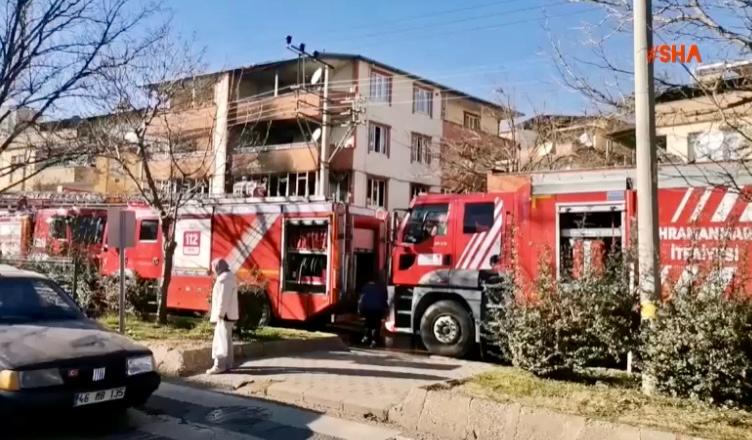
(224, 313)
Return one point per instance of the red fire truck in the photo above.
(310, 254)
(570, 220)
(49, 226)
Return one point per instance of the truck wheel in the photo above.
(447, 329)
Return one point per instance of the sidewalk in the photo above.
(357, 383)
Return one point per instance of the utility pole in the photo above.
(324, 150)
(646, 173)
(323, 174)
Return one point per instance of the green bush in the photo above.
(252, 307)
(140, 295)
(700, 346)
(566, 326)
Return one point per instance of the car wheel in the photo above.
(446, 329)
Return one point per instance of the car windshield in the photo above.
(426, 221)
(30, 299)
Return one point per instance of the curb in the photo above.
(449, 414)
(185, 361)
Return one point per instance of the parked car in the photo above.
(53, 356)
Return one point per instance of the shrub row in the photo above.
(699, 346)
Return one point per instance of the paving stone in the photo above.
(357, 381)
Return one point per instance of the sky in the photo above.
(477, 46)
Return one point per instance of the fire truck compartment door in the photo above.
(11, 235)
(193, 253)
(363, 240)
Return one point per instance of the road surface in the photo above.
(184, 413)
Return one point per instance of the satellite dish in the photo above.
(316, 135)
(316, 76)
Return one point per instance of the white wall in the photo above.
(397, 168)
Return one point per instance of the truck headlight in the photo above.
(40, 378)
(140, 365)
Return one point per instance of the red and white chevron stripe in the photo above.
(483, 245)
(711, 205)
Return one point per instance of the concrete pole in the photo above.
(219, 134)
(324, 150)
(646, 173)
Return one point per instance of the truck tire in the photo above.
(447, 329)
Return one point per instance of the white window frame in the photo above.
(420, 148)
(423, 100)
(376, 188)
(380, 87)
(384, 138)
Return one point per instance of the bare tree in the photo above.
(720, 98)
(52, 52)
(159, 133)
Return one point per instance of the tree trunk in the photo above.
(168, 252)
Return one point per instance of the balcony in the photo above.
(294, 104)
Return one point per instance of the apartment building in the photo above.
(385, 127)
(263, 126)
(561, 141)
(704, 121)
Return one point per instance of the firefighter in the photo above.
(224, 313)
(373, 306)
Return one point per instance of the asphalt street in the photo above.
(178, 412)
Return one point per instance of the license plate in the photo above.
(99, 396)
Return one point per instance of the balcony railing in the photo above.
(291, 105)
(270, 147)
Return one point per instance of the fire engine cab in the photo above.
(570, 221)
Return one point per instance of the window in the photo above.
(148, 230)
(479, 217)
(423, 101)
(376, 195)
(58, 228)
(426, 221)
(660, 143)
(714, 145)
(28, 300)
(378, 138)
(472, 121)
(417, 189)
(420, 149)
(277, 185)
(380, 87)
(88, 229)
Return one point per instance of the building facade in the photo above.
(264, 125)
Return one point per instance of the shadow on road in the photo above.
(264, 371)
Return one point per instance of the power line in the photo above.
(381, 24)
(476, 29)
(455, 21)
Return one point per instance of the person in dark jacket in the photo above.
(373, 306)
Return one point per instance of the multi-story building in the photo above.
(263, 126)
(385, 127)
(555, 141)
(705, 121)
